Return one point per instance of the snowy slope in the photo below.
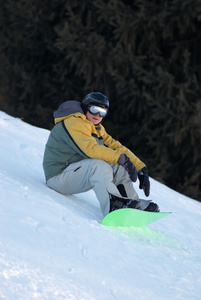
(54, 247)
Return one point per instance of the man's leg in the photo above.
(84, 175)
(124, 184)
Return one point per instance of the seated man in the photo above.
(80, 156)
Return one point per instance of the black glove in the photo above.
(144, 181)
(125, 162)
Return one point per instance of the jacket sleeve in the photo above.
(113, 144)
(80, 133)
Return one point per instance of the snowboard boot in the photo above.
(117, 203)
(152, 207)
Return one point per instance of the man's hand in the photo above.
(125, 162)
(144, 181)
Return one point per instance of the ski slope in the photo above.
(53, 246)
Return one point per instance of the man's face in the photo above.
(95, 119)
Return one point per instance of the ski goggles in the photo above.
(95, 110)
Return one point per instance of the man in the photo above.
(80, 156)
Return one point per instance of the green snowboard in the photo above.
(129, 217)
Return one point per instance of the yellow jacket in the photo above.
(74, 138)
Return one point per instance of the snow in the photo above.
(53, 246)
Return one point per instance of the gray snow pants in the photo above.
(98, 175)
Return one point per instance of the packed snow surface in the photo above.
(53, 246)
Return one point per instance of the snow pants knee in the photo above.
(94, 174)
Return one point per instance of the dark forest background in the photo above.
(144, 55)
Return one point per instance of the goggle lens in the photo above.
(94, 110)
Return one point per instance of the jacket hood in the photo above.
(67, 108)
